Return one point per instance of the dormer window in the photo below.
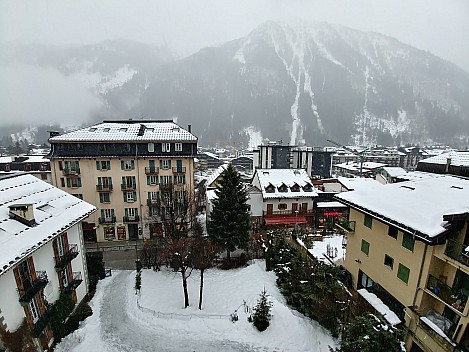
(307, 188)
(295, 188)
(270, 189)
(283, 188)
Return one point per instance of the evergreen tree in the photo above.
(230, 219)
(368, 333)
(261, 316)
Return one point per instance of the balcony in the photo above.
(288, 213)
(26, 294)
(179, 170)
(134, 218)
(62, 261)
(71, 171)
(152, 170)
(42, 322)
(74, 283)
(104, 188)
(107, 220)
(455, 298)
(346, 225)
(127, 187)
(456, 251)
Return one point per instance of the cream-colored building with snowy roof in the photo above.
(122, 167)
(409, 248)
(41, 252)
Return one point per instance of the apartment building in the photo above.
(36, 165)
(42, 253)
(408, 244)
(123, 167)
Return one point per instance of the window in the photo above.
(283, 188)
(166, 164)
(127, 164)
(307, 188)
(388, 261)
(61, 167)
(62, 182)
(392, 231)
(151, 147)
(403, 273)
(166, 147)
(178, 147)
(282, 206)
(130, 197)
(73, 182)
(180, 179)
(270, 189)
(109, 233)
(78, 195)
(408, 242)
(34, 308)
(365, 247)
(63, 275)
(165, 180)
(104, 197)
(368, 222)
(107, 214)
(153, 196)
(152, 180)
(131, 213)
(43, 176)
(103, 165)
(295, 188)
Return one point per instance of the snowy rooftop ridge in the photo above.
(130, 130)
(55, 211)
(288, 178)
(415, 206)
(456, 158)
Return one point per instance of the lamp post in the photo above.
(296, 223)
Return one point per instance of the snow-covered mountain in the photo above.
(301, 83)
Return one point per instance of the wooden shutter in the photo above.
(132, 164)
(68, 182)
(135, 196)
(98, 165)
(79, 182)
(55, 246)
(19, 283)
(152, 164)
(32, 270)
(108, 164)
(110, 181)
(161, 164)
(122, 164)
(101, 198)
(148, 180)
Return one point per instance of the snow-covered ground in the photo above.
(330, 247)
(158, 322)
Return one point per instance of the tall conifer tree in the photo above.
(229, 222)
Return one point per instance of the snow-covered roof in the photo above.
(54, 212)
(457, 159)
(216, 174)
(272, 180)
(117, 131)
(377, 304)
(330, 205)
(355, 166)
(394, 171)
(27, 159)
(415, 206)
(358, 182)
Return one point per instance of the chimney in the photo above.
(53, 134)
(189, 128)
(448, 163)
(23, 213)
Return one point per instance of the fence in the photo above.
(181, 316)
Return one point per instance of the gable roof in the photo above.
(55, 211)
(122, 131)
(416, 206)
(456, 158)
(214, 175)
(287, 177)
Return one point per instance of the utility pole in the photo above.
(361, 155)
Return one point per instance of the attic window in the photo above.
(92, 129)
(283, 188)
(295, 188)
(307, 188)
(296, 172)
(457, 187)
(265, 173)
(106, 129)
(122, 129)
(270, 189)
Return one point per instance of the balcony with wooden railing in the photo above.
(104, 188)
(62, 260)
(179, 170)
(287, 213)
(26, 294)
(152, 170)
(453, 297)
(74, 282)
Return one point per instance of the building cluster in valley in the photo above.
(404, 212)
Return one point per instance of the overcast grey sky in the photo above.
(440, 26)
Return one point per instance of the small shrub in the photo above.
(261, 317)
(138, 282)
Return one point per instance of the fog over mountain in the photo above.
(302, 83)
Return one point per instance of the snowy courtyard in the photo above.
(155, 320)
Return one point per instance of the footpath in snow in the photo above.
(158, 322)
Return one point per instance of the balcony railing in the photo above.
(62, 261)
(71, 171)
(152, 202)
(287, 213)
(456, 251)
(133, 218)
(74, 283)
(456, 298)
(104, 188)
(26, 294)
(107, 220)
(179, 170)
(152, 170)
(346, 225)
(126, 187)
(42, 322)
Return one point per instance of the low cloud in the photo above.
(32, 95)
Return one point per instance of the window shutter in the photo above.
(68, 182)
(122, 164)
(179, 164)
(123, 180)
(108, 164)
(66, 165)
(125, 196)
(152, 164)
(133, 181)
(98, 165)
(99, 181)
(161, 179)
(149, 195)
(101, 198)
(112, 213)
(126, 212)
(79, 181)
(136, 211)
(110, 181)
(169, 164)
(102, 213)
(132, 164)
(161, 164)
(148, 180)
(135, 196)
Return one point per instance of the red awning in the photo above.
(286, 221)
